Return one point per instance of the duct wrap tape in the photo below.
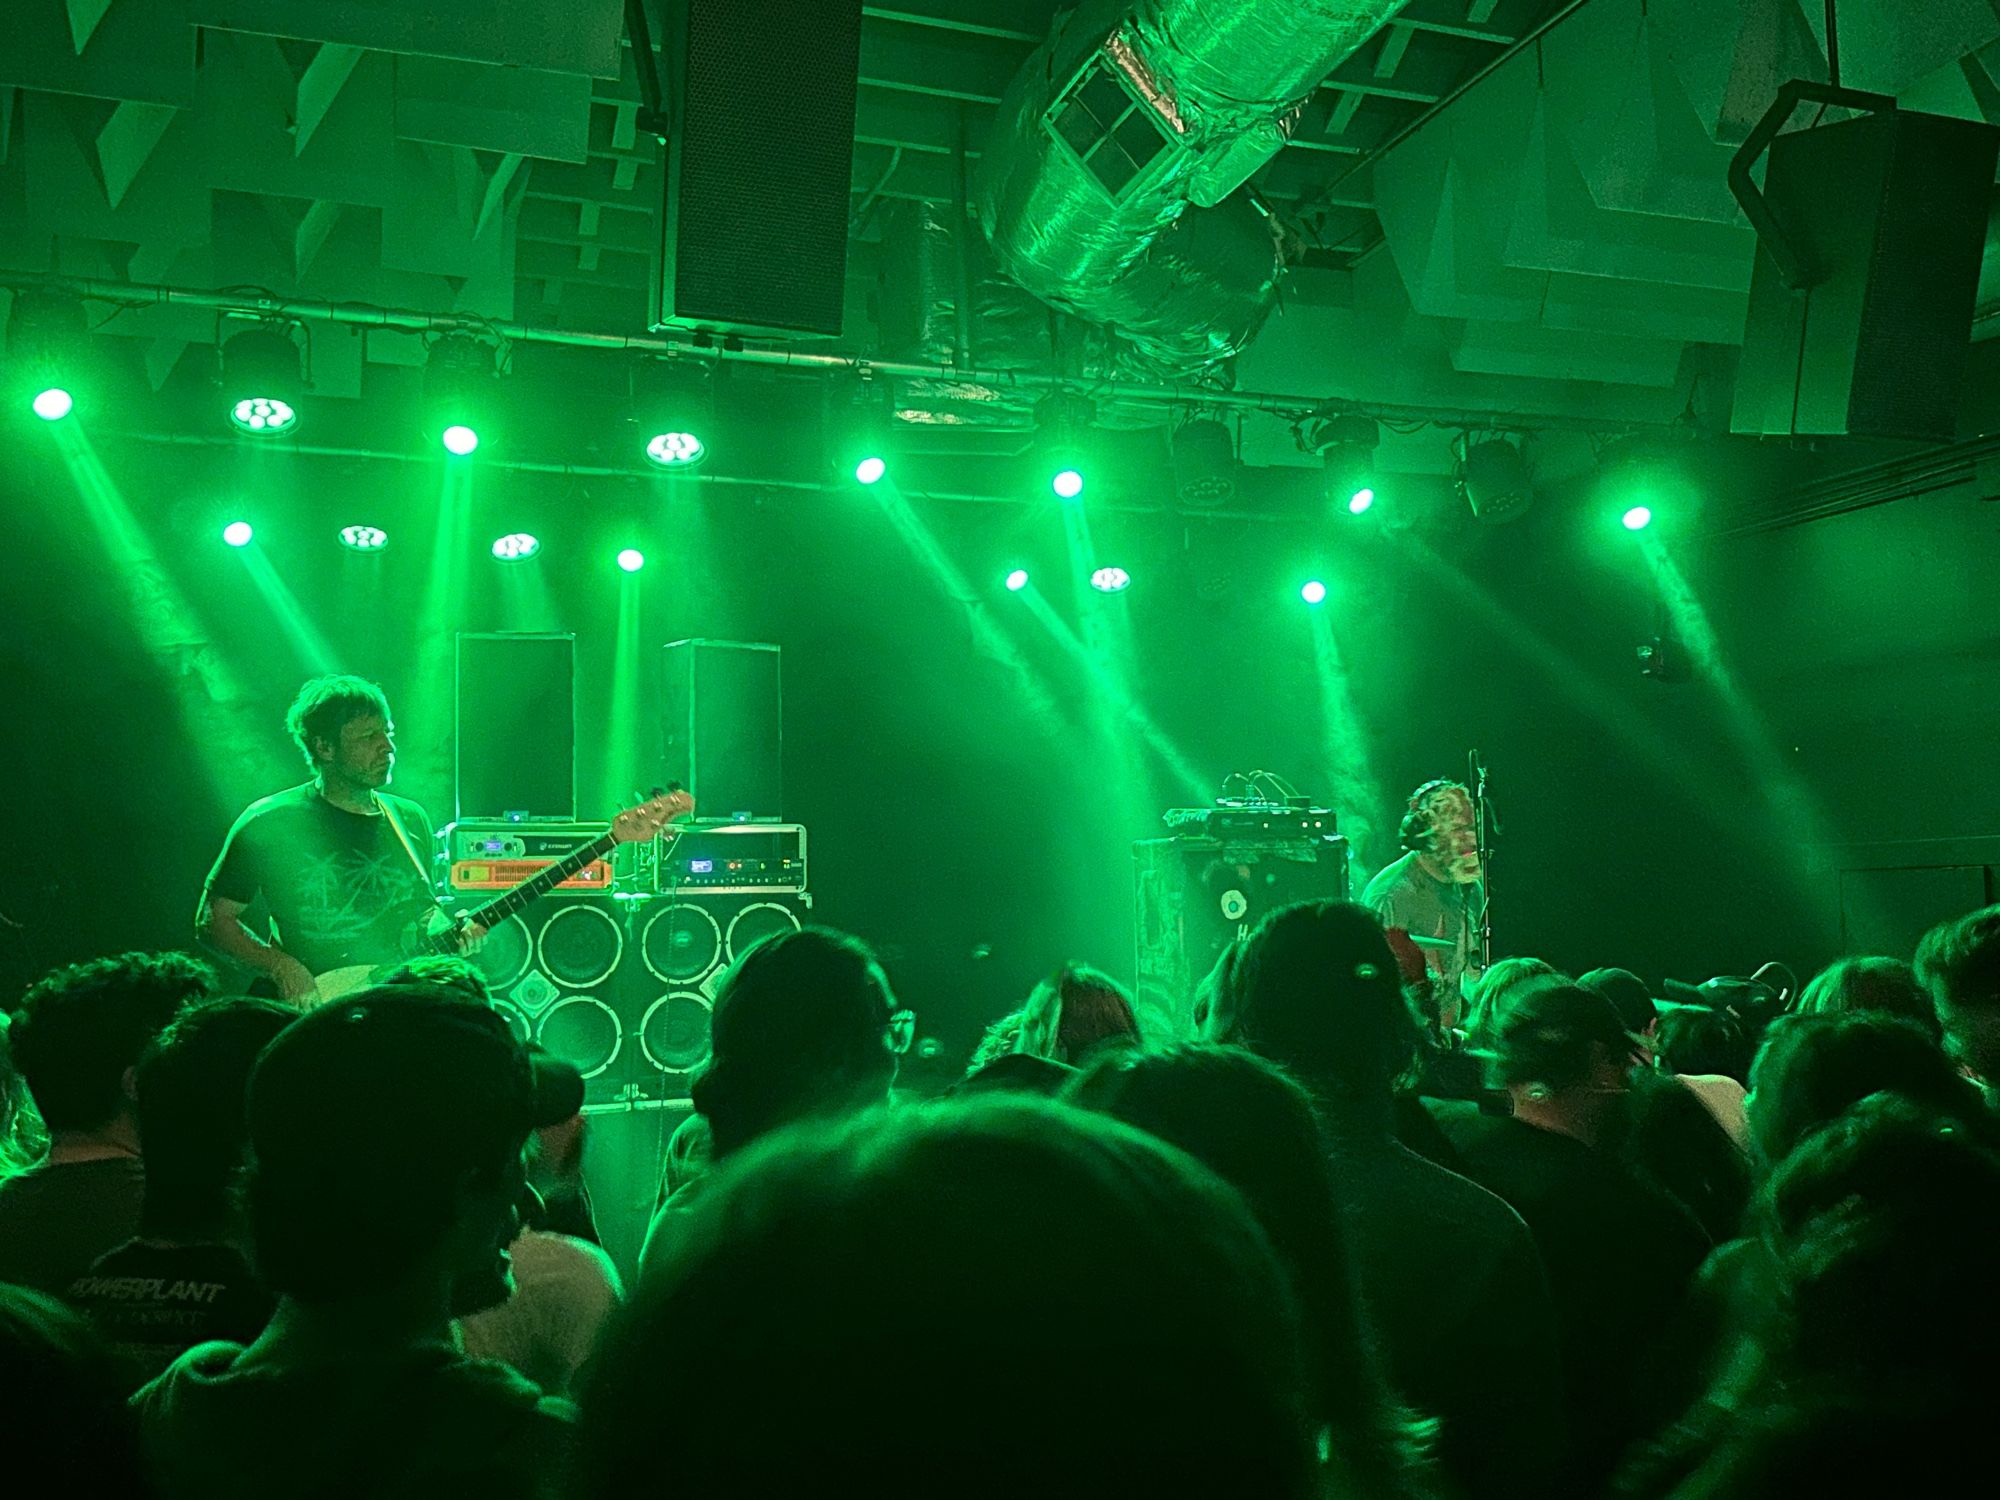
(1125, 117)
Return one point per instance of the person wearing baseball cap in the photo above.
(384, 1182)
(1617, 1247)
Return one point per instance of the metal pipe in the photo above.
(1180, 397)
(635, 474)
(962, 231)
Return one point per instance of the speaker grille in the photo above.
(681, 944)
(756, 221)
(584, 1032)
(579, 946)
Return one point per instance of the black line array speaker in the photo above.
(1889, 212)
(623, 986)
(721, 703)
(759, 161)
(515, 739)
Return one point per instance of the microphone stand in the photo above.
(1482, 818)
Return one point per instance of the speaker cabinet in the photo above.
(515, 746)
(1889, 212)
(759, 162)
(1193, 897)
(623, 986)
(721, 703)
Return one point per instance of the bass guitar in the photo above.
(414, 928)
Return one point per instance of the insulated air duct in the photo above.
(1129, 113)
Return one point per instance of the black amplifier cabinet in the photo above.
(731, 859)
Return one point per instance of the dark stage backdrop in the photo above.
(977, 837)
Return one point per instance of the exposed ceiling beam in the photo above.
(961, 23)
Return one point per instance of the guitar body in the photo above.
(409, 929)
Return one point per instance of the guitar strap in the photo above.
(409, 848)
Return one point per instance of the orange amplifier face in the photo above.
(505, 874)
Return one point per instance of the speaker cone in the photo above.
(584, 1032)
(674, 1034)
(681, 944)
(756, 922)
(579, 946)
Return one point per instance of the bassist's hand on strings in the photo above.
(471, 937)
(294, 980)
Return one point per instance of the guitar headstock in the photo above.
(637, 824)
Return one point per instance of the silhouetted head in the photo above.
(802, 1026)
(78, 1033)
(1959, 963)
(1075, 1013)
(1244, 1118)
(1812, 1068)
(1317, 991)
(192, 1083)
(994, 1297)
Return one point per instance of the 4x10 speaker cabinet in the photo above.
(622, 986)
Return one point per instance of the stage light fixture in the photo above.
(1314, 592)
(48, 344)
(1638, 518)
(631, 559)
(1063, 423)
(1345, 442)
(1495, 480)
(364, 538)
(1204, 465)
(673, 403)
(1017, 580)
(859, 420)
(260, 380)
(1111, 580)
(461, 391)
(237, 533)
(516, 546)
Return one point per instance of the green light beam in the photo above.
(1795, 802)
(217, 709)
(314, 651)
(1193, 784)
(1107, 658)
(425, 740)
(988, 637)
(1354, 788)
(621, 725)
(1584, 693)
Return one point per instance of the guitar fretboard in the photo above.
(536, 886)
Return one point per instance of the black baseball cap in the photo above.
(1557, 1013)
(1629, 995)
(402, 1073)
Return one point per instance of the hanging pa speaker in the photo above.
(1885, 215)
(759, 160)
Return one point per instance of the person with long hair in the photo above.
(1256, 1129)
(1448, 1273)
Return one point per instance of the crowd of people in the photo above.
(1341, 1237)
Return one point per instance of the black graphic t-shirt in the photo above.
(153, 1302)
(326, 876)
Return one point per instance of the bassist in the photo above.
(329, 857)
